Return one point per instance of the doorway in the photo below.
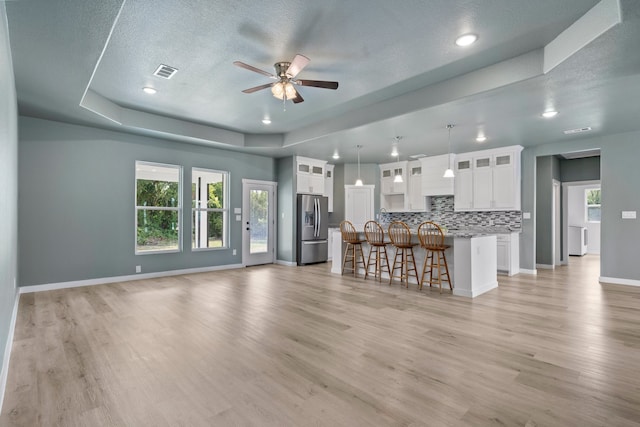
(258, 222)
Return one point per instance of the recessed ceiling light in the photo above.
(149, 90)
(266, 121)
(336, 156)
(481, 138)
(466, 40)
(549, 113)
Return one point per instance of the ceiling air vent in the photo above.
(579, 130)
(165, 71)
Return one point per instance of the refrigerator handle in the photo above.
(319, 217)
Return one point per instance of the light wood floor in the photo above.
(300, 346)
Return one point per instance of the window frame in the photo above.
(226, 179)
(177, 209)
(587, 205)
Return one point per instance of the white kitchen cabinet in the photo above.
(328, 184)
(463, 184)
(309, 175)
(358, 204)
(488, 180)
(417, 201)
(433, 183)
(508, 253)
(393, 195)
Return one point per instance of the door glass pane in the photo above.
(258, 221)
(466, 164)
(503, 160)
(483, 163)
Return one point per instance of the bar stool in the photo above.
(432, 240)
(354, 246)
(400, 236)
(374, 234)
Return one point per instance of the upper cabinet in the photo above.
(388, 173)
(488, 180)
(417, 201)
(310, 175)
(433, 183)
(328, 184)
(393, 194)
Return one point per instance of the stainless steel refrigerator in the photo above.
(313, 230)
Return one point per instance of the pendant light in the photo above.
(449, 172)
(397, 176)
(359, 180)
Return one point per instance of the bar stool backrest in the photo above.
(430, 235)
(348, 231)
(399, 233)
(373, 232)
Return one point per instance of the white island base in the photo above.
(475, 266)
(472, 262)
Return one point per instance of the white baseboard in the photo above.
(527, 271)
(476, 291)
(7, 350)
(105, 280)
(545, 266)
(618, 281)
(287, 263)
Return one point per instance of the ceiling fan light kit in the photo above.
(285, 75)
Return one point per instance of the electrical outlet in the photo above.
(138, 269)
(234, 251)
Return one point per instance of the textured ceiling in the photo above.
(400, 73)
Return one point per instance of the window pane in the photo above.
(157, 185)
(157, 230)
(207, 230)
(207, 189)
(593, 197)
(593, 213)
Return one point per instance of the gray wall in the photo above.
(8, 189)
(585, 169)
(286, 171)
(77, 195)
(337, 215)
(547, 169)
(620, 177)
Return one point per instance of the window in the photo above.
(158, 207)
(209, 203)
(593, 205)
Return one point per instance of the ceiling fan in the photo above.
(285, 75)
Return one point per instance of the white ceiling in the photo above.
(399, 70)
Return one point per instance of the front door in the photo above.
(258, 222)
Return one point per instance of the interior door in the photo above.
(258, 222)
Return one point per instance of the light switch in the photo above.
(238, 217)
(526, 215)
(628, 214)
(237, 210)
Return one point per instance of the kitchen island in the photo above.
(472, 260)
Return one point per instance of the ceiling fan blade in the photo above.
(257, 88)
(318, 83)
(254, 69)
(298, 99)
(298, 63)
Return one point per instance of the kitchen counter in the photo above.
(472, 259)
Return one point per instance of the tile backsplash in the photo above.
(442, 213)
